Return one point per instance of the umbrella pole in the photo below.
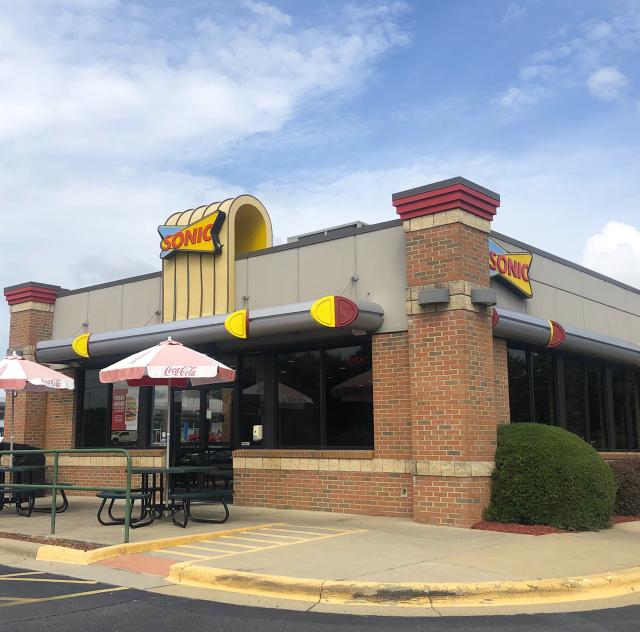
(169, 428)
(13, 415)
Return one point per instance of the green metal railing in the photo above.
(54, 486)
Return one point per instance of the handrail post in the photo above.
(127, 511)
(54, 495)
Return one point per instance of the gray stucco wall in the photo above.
(116, 307)
(574, 297)
(307, 272)
(377, 257)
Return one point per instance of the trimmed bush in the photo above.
(627, 476)
(546, 475)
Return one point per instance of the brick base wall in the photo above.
(451, 501)
(374, 494)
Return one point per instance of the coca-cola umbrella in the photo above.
(18, 374)
(169, 363)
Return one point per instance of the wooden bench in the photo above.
(147, 515)
(180, 501)
(24, 494)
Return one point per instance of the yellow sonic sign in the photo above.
(511, 267)
(201, 236)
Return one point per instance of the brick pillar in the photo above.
(31, 320)
(454, 412)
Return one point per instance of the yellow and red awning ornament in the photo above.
(237, 323)
(334, 311)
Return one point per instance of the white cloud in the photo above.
(514, 12)
(615, 251)
(607, 83)
(108, 107)
(514, 98)
(583, 52)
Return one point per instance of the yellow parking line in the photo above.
(265, 541)
(303, 526)
(19, 600)
(282, 537)
(181, 554)
(204, 548)
(237, 537)
(299, 531)
(23, 574)
(47, 581)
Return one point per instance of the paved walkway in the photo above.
(364, 548)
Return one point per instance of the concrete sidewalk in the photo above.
(355, 550)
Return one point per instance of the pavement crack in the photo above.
(312, 606)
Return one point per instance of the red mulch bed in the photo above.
(621, 519)
(535, 529)
(72, 544)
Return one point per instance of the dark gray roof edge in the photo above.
(565, 262)
(17, 286)
(309, 241)
(101, 286)
(445, 183)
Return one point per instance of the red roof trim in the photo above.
(446, 199)
(27, 293)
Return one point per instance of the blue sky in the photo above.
(113, 114)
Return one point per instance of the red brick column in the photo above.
(31, 320)
(501, 379)
(454, 411)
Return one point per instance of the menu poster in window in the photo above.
(124, 409)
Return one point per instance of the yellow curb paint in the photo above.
(599, 586)
(51, 553)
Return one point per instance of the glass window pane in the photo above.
(93, 421)
(125, 408)
(519, 400)
(574, 385)
(251, 397)
(160, 416)
(634, 408)
(299, 398)
(618, 387)
(349, 397)
(596, 394)
(544, 387)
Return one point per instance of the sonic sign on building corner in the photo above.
(202, 235)
(511, 267)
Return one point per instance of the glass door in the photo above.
(202, 426)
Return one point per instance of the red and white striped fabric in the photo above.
(168, 362)
(18, 374)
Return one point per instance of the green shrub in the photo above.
(627, 476)
(546, 475)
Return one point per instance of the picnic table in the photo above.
(171, 489)
(20, 492)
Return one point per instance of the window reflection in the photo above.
(349, 397)
(519, 396)
(251, 397)
(574, 387)
(298, 397)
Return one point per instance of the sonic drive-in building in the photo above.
(374, 362)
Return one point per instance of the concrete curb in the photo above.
(499, 593)
(19, 547)
(52, 553)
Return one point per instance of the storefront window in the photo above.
(574, 388)
(544, 387)
(349, 397)
(619, 393)
(125, 408)
(596, 392)
(298, 399)
(519, 395)
(634, 408)
(252, 383)
(586, 385)
(92, 430)
(160, 416)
